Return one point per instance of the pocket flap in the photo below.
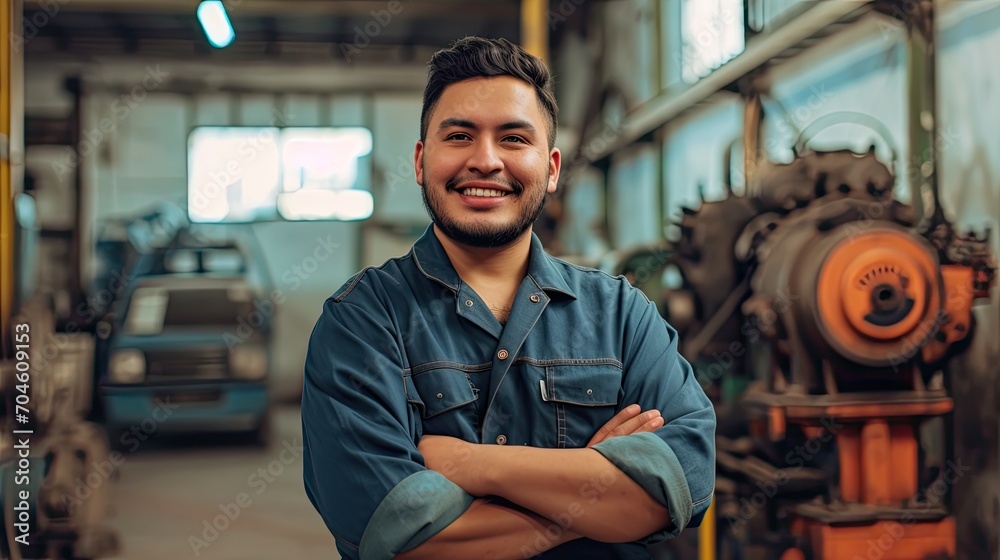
(583, 385)
(441, 390)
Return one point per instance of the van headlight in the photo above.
(248, 362)
(127, 366)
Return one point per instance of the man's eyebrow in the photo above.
(454, 121)
(464, 123)
(522, 125)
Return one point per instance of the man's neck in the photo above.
(489, 266)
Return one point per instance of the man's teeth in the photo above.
(483, 192)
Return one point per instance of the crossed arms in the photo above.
(384, 494)
(581, 490)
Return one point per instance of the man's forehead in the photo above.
(466, 100)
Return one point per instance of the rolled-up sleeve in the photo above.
(362, 470)
(675, 464)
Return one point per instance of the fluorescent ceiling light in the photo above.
(214, 20)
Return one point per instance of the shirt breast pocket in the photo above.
(584, 398)
(446, 402)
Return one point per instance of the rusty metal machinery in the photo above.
(820, 293)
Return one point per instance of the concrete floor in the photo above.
(169, 493)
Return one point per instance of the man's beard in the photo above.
(483, 234)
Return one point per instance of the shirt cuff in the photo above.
(649, 461)
(415, 510)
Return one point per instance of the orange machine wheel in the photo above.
(876, 290)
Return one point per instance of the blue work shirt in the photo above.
(407, 349)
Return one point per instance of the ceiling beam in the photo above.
(466, 9)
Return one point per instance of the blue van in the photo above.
(190, 353)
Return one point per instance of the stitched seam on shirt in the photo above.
(561, 424)
(553, 288)
(571, 362)
(342, 540)
(466, 368)
(350, 288)
(585, 268)
(415, 399)
(416, 260)
(549, 287)
(360, 275)
(560, 413)
(703, 500)
(452, 407)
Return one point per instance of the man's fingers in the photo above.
(628, 413)
(635, 424)
(628, 422)
(651, 426)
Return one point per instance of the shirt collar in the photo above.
(433, 262)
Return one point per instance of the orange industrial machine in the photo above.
(834, 315)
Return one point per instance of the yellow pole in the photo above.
(8, 58)
(534, 28)
(706, 535)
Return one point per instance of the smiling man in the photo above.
(478, 398)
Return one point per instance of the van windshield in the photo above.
(154, 309)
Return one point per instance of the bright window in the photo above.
(246, 174)
(713, 33)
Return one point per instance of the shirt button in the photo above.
(534, 298)
(440, 395)
(501, 439)
(502, 354)
(468, 303)
(589, 392)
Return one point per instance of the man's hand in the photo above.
(454, 458)
(628, 421)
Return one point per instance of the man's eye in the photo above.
(458, 136)
(516, 138)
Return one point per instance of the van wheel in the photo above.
(260, 436)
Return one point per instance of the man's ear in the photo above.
(555, 163)
(418, 162)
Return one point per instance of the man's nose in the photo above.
(485, 159)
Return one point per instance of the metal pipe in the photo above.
(11, 144)
(752, 155)
(79, 247)
(921, 69)
(706, 535)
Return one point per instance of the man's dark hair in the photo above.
(476, 57)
